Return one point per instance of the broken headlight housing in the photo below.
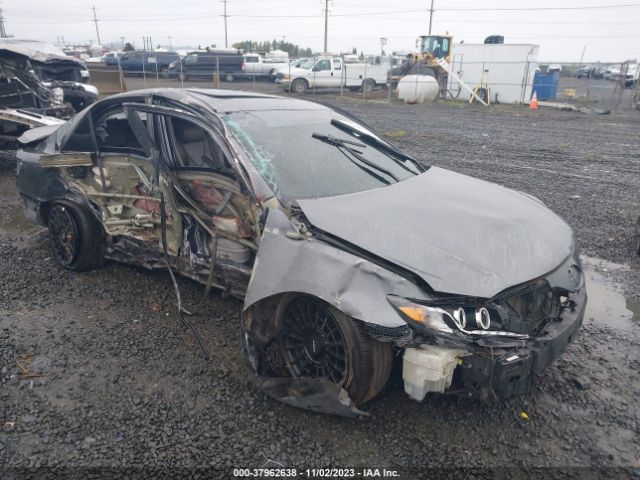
(471, 320)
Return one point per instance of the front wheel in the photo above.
(319, 341)
(299, 86)
(76, 238)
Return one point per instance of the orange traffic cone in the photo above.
(533, 104)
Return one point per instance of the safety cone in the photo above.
(533, 104)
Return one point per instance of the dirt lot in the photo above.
(123, 384)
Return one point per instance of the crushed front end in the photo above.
(489, 349)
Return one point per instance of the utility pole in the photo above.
(226, 42)
(326, 24)
(95, 20)
(430, 16)
(3, 32)
(582, 56)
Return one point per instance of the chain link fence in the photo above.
(383, 79)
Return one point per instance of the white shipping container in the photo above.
(511, 68)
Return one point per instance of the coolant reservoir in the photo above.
(428, 369)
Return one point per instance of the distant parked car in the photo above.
(611, 73)
(111, 58)
(631, 77)
(204, 63)
(144, 62)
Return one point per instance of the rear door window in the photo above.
(114, 134)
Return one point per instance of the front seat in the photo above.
(194, 145)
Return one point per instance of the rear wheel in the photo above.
(368, 85)
(299, 86)
(319, 341)
(75, 236)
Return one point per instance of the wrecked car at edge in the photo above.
(347, 251)
(28, 60)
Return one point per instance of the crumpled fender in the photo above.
(290, 262)
(353, 285)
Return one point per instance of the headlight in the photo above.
(433, 318)
(471, 320)
(172, 65)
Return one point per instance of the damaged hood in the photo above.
(38, 51)
(461, 235)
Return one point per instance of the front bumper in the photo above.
(503, 372)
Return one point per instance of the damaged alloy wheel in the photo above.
(75, 237)
(319, 341)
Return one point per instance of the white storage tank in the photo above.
(417, 88)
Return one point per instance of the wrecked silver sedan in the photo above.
(348, 252)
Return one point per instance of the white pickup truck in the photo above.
(256, 65)
(334, 72)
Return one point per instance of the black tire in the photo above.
(483, 94)
(299, 86)
(305, 342)
(76, 238)
(368, 85)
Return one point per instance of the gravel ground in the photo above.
(123, 384)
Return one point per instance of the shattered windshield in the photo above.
(281, 146)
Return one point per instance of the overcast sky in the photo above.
(609, 34)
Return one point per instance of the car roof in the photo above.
(225, 101)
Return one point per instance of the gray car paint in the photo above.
(354, 285)
(461, 235)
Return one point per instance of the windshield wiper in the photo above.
(348, 146)
(384, 147)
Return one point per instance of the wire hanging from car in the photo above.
(163, 236)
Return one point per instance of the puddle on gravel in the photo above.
(605, 304)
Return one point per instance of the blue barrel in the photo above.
(545, 85)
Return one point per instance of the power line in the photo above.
(509, 9)
(95, 20)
